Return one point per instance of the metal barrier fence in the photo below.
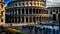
(45, 30)
(48, 31)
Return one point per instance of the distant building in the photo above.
(54, 13)
(2, 12)
(26, 11)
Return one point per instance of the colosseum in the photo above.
(26, 11)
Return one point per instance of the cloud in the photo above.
(53, 0)
(53, 3)
(50, 0)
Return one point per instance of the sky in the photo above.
(53, 3)
(7, 1)
(49, 3)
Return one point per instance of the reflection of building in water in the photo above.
(2, 12)
(26, 11)
(54, 12)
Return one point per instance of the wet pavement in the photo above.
(41, 30)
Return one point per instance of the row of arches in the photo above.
(27, 3)
(55, 17)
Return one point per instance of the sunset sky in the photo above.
(49, 3)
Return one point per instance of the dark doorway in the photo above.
(54, 17)
(59, 18)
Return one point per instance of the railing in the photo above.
(49, 31)
(41, 29)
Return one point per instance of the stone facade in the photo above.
(54, 13)
(2, 12)
(26, 11)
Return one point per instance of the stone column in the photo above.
(14, 11)
(21, 10)
(41, 19)
(17, 11)
(44, 19)
(38, 10)
(14, 19)
(28, 19)
(35, 10)
(57, 17)
(21, 19)
(32, 19)
(10, 19)
(32, 10)
(24, 19)
(28, 11)
(41, 11)
(38, 19)
(17, 19)
(25, 11)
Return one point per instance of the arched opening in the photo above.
(59, 18)
(54, 17)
